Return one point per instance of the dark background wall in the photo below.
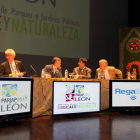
(133, 13)
(106, 17)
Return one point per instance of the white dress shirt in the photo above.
(106, 74)
(12, 66)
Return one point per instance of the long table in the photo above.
(43, 89)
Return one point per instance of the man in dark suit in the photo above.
(54, 69)
(82, 71)
(7, 68)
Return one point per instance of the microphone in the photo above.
(33, 69)
(36, 75)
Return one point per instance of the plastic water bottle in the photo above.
(66, 73)
(99, 74)
(43, 73)
(129, 75)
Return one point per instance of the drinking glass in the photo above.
(17, 73)
(70, 75)
(102, 77)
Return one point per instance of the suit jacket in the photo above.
(5, 69)
(49, 69)
(86, 72)
(112, 72)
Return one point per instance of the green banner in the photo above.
(129, 43)
(45, 27)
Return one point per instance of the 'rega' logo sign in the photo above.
(128, 92)
(43, 2)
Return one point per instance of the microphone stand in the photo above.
(35, 75)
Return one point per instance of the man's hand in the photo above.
(76, 76)
(48, 76)
(20, 74)
(81, 76)
(55, 69)
(11, 75)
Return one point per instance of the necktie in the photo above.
(81, 71)
(106, 74)
(103, 74)
(12, 67)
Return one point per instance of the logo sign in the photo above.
(70, 90)
(76, 93)
(9, 90)
(70, 97)
(133, 97)
(76, 97)
(125, 93)
(132, 93)
(15, 96)
(79, 89)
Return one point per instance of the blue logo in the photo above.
(133, 97)
(9, 90)
(79, 89)
(128, 92)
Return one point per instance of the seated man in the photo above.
(7, 68)
(54, 69)
(82, 71)
(106, 71)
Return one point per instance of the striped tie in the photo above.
(12, 67)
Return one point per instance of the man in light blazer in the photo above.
(54, 69)
(108, 72)
(82, 72)
(7, 67)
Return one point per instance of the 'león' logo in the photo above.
(70, 90)
(9, 90)
(69, 97)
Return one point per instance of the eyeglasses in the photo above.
(8, 55)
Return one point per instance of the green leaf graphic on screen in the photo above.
(9, 90)
(79, 89)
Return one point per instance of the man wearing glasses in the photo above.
(8, 67)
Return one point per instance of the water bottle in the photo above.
(129, 75)
(66, 73)
(43, 73)
(99, 74)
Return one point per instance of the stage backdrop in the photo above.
(45, 27)
(129, 43)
